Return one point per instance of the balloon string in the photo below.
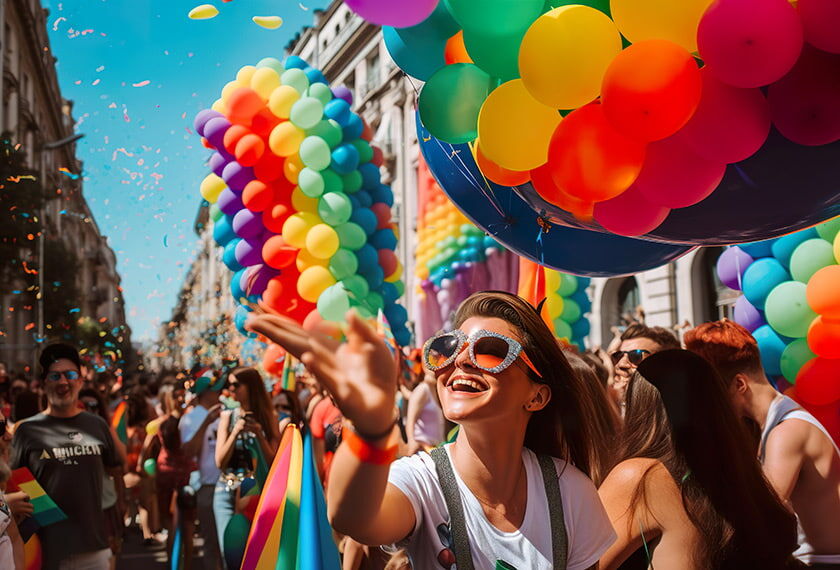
(737, 268)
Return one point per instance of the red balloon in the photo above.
(249, 150)
(275, 216)
(544, 184)
(383, 216)
(206, 144)
(257, 195)
(367, 132)
(821, 21)
(818, 381)
(591, 160)
(630, 214)
(674, 177)
(378, 158)
(651, 89)
(388, 261)
(499, 175)
(278, 254)
(233, 135)
(828, 416)
(273, 359)
(804, 103)
(243, 104)
(263, 123)
(823, 292)
(270, 167)
(824, 338)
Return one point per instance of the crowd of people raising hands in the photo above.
(495, 446)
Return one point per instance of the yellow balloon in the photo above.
(564, 55)
(285, 139)
(303, 203)
(264, 81)
(397, 274)
(219, 106)
(554, 303)
(515, 128)
(313, 281)
(211, 187)
(552, 281)
(292, 168)
(244, 75)
(640, 20)
(306, 260)
(281, 100)
(322, 241)
(837, 247)
(229, 88)
(297, 226)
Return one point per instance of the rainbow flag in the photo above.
(315, 548)
(119, 421)
(45, 511)
(287, 376)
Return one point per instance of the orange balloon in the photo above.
(273, 359)
(589, 159)
(249, 150)
(257, 195)
(818, 381)
(455, 50)
(651, 90)
(544, 185)
(233, 135)
(823, 292)
(275, 216)
(264, 122)
(278, 254)
(497, 174)
(824, 338)
(243, 104)
(270, 167)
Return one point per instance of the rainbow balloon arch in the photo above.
(633, 129)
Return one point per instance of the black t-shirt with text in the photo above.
(68, 457)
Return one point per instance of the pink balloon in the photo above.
(821, 22)
(629, 214)
(730, 124)
(749, 43)
(675, 177)
(805, 104)
(396, 13)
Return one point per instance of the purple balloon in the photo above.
(342, 92)
(249, 251)
(201, 119)
(237, 176)
(256, 278)
(229, 202)
(389, 13)
(748, 316)
(217, 163)
(247, 224)
(731, 266)
(214, 131)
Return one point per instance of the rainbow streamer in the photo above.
(119, 421)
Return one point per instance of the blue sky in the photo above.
(138, 71)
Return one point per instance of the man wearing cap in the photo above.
(198, 436)
(69, 451)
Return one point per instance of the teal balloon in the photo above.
(562, 329)
(343, 264)
(501, 16)
(315, 153)
(357, 286)
(761, 277)
(787, 310)
(311, 182)
(568, 285)
(829, 230)
(418, 50)
(771, 346)
(352, 182)
(150, 466)
(375, 301)
(809, 257)
(215, 212)
(451, 100)
(335, 208)
(497, 54)
(321, 92)
(273, 63)
(571, 311)
(235, 539)
(306, 112)
(794, 357)
(784, 246)
(351, 236)
(296, 79)
(328, 130)
(333, 303)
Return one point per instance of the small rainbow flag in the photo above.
(45, 511)
(119, 421)
(287, 377)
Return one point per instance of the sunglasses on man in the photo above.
(69, 374)
(635, 356)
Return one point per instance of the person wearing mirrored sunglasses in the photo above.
(638, 342)
(515, 476)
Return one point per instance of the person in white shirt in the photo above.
(512, 491)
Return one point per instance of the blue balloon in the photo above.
(223, 231)
(396, 315)
(239, 320)
(315, 76)
(758, 249)
(295, 62)
(338, 110)
(368, 258)
(418, 55)
(581, 328)
(783, 247)
(384, 239)
(402, 336)
(370, 175)
(583, 283)
(771, 345)
(761, 277)
(345, 159)
(235, 289)
(229, 256)
(365, 218)
(375, 277)
(383, 193)
(354, 128)
(354, 201)
(389, 292)
(364, 197)
(582, 299)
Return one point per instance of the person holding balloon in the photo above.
(800, 460)
(514, 484)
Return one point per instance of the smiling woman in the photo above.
(512, 490)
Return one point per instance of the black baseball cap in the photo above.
(55, 352)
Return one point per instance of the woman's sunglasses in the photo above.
(634, 356)
(488, 350)
(69, 374)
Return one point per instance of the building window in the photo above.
(629, 301)
(712, 299)
(373, 75)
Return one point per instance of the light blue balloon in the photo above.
(771, 345)
(758, 249)
(345, 159)
(229, 256)
(239, 320)
(223, 231)
(784, 246)
(296, 62)
(761, 277)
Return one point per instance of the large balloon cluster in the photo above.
(567, 302)
(632, 117)
(791, 304)
(298, 204)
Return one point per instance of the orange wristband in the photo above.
(365, 451)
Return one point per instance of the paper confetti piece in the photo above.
(203, 12)
(268, 22)
(141, 84)
(302, 7)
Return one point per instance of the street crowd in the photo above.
(493, 446)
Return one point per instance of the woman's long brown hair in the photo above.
(678, 413)
(566, 427)
(258, 401)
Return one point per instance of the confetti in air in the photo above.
(203, 12)
(268, 22)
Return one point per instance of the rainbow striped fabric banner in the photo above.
(45, 511)
(119, 421)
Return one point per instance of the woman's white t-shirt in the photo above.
(588, 528)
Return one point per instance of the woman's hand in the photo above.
(360, 373)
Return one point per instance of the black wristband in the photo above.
(376, 436)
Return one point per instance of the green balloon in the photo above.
(273, 63)
(461, 241)
(320, 92)
(352, 182)
(328, 130)
(829, 230)
(787, 309)
(375, 301)
(400, 288)
(150, 466)
(335, 208)
(315, 153)
(351, 235)
(215, 212)
(809, 257)
(296, 79)
(306, 112)
(235, 539)
(571, 311)
(794, 357)
(311, 182)
(333, 303)
(501, 16)
(343, 264)
(357, 286)
(496, 54)
(568, 285)
(451, 100)
(602, 5)
(332, 181)
(364, 149)
(562, 329)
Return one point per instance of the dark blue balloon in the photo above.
(582, 299)
(295, 62)
(354, 201)
(384, 239)
(370, 175)
(383, 193)
(375, 277)
(367, 258)
(396, 315)
(365, 218)
(402, 336)
(580, 328)
(364, 197)
(389, 292)
(354, 128)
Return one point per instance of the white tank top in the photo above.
(428, 428)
